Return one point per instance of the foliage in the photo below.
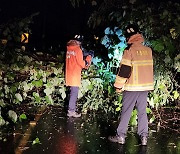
(157, 17)
(96, 91)
(33, 82)
(24, 79)
(96, 98)
(115, 42)
(11, 32)
(160, 24)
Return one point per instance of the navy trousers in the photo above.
(130, 100)
(73, 98)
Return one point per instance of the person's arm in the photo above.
(87, 57)
(79, 58)
(124, 71)
(88, 61)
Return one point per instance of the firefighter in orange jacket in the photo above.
(135, 79)
(74, 65)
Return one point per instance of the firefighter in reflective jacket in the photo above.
(135, 80)
(74, 66)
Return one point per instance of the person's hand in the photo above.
(119, 90)
(88, 60)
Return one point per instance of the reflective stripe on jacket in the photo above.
(139, 58)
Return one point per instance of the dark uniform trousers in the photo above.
(73, 98)
(130, 100)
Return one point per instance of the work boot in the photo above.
(73, 114)
(118, 139)
(144, 140)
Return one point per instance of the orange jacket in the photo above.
(74, 63)
(136, 67)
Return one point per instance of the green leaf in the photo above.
(48, 91)
(38, 83)
(176, 94)
(133, 119)
(110, 90)
(120, 98)
(56, 71)
(2, 104)
(90, 87)
(19, 97)
(148, 110)
(49, 100)
(13, 89)
(151, 102)
(118, 109)
(2, 121)
(161, 86)
(36, 141)
(39, 75)
(152, 119)
(159, 47)
(10, 76)
(37, 97)
(22, 117)
(12, 115)
(26, 86)
(63, 93)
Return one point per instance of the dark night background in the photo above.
(57, 21)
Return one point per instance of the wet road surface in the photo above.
(59, 134)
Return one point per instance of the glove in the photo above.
(91, 52)
(85, 53)
(88, 61)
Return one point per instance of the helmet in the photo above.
(131, 30)
(79, 38)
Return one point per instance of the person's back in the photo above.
(135, 80)
(140, 57)
(74, 63)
